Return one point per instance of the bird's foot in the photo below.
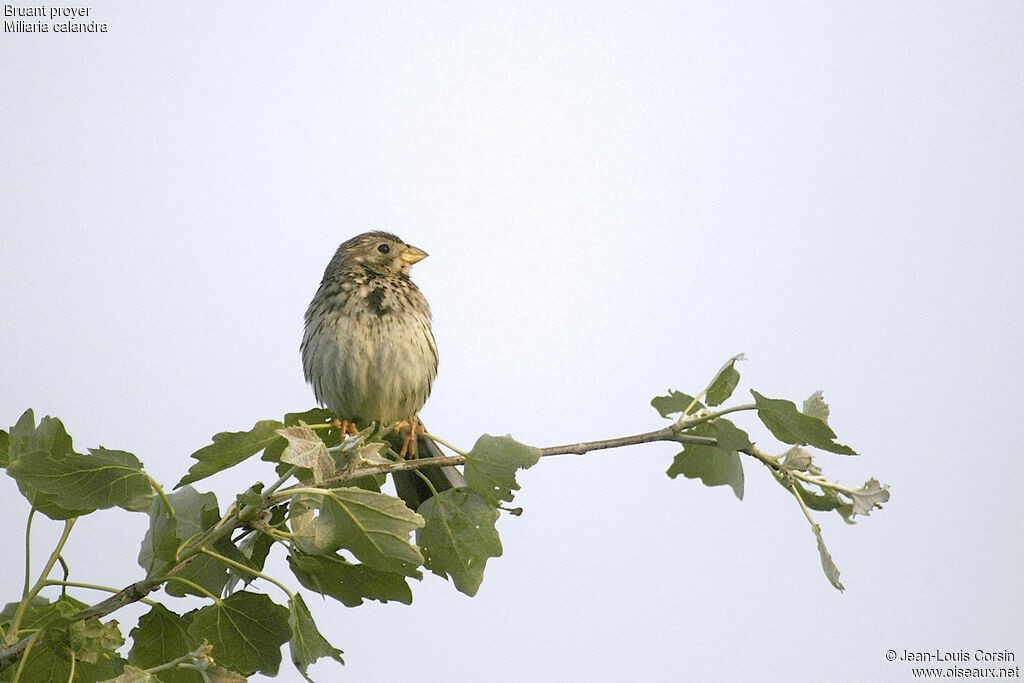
(408, 451)
(347, 428)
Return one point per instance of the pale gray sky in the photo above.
(616, 198)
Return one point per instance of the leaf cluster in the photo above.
(343, 539)
(794, 469)
(342, 536)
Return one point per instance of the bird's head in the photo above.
(379, 252)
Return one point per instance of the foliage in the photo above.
(343, 537)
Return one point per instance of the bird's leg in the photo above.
(415, 429)
(347, 427)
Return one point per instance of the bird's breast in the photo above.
(370, 354)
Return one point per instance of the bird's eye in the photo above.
(384, 249)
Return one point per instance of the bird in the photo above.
(369, 352)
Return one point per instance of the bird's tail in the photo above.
(410, 486)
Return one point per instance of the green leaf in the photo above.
(246, 631)
(827, 565)
(375, 527)
(92, 639)
(5, 448)
(43, 663)
(49, 438)
(158, 545)
(305, 449)
(159, 637)
(100, 480)
(869, 496)
(729, 436)
(230, 448)
(815, 406)
(491, 466)
(50, 660)
(193, 513)
(41, 612)
(264, 542)
(791, 426)
(208, 572)
(46, 661)
(9, 610)
(459, 537)
(724, 383)
(307, 644)
(51, 656)
(105, 668)
(713, 465)
(32, 444)
(348, 583)
(312, 416)
(253, 548)
(675, 402)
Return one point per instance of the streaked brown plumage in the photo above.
(368, 349)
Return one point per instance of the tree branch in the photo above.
(670, 433)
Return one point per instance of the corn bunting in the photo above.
(369, 352)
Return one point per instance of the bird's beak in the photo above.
(412, 255)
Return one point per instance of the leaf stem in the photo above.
(248, 570)
(28, 550)
(195, 586)
(12, 630)
(445, 443)
(774, 463)
(275, 534)
(426, 480)
(163, 496)
(827, 564)
(184, 544)
(689, 421)
(30, 643)
(277, 484)
(803, 506)
(696, 399)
